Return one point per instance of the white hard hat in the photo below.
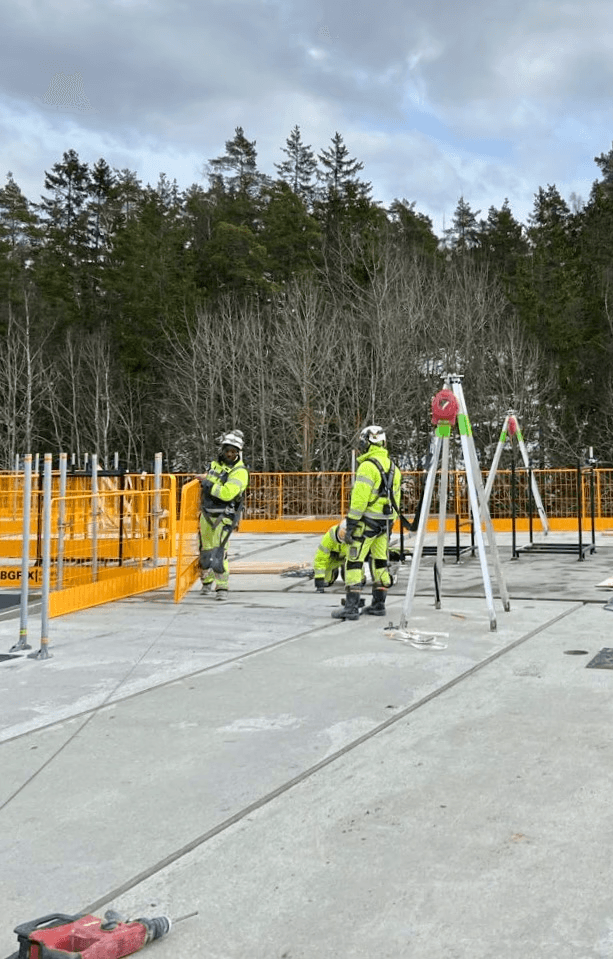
(371, 435)
(341, 531)
(234, 438)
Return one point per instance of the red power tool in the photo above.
(57, 936)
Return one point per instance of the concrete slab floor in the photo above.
(316, 788)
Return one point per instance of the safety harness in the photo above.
(386, 488)
(215, 510)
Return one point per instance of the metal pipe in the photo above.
(25, 554)
(94, 517)
(43, 652)
(61, 520)
(157, 480)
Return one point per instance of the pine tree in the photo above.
(236, 172)
(19, 241)
(103, 207)
(151, 279)
(292, 236)
(463, 234)
(503, 244)
(62, 266)
(233, 258)
(339, 175)
(412, 230)
(549, 297)
(343, 205)
(300, 167)
(129, 192)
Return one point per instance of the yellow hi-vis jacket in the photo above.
(229, 482)
(329, 551)
(369, 501)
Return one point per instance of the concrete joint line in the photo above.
(301, 777)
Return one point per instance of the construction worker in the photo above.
(330, 557)
(221, 499)
(372, 511)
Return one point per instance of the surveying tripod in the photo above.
(510, 428)
(447, 406)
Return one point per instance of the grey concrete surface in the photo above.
(316, 788)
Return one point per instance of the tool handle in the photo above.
(57, 918)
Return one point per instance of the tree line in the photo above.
(297, 308)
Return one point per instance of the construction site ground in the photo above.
(320, 789)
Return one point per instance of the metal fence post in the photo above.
(25, 555)
(43, 652)
(157, 481)
(94, 517)
(61, 519)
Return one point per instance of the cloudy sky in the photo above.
(485, 100)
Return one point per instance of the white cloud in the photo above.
(484, 100)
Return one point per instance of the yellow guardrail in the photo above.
(103, 545)
(292, 502)
(287, 502)
(117, 512)
(187, 548)
(96, 559)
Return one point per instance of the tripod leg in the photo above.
(420, 536)
(442, 516)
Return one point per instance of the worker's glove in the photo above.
(223, 476)
(350, 531)
(207, 485)
(319, 583)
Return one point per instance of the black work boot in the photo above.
(351, 609)
(377, 607)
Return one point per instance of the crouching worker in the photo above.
(370, 518)
(221, 501)
(330, 557)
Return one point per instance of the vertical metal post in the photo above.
(157, 482)
(122, 483)
(514, 552)
(592, 505)
(25, 554)
(39, 512)
(580, 508)
(61, 519)
(94, 517)
(43, 652)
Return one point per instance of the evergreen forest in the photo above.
(297, 308)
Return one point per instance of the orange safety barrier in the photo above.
(103, 546)
(187, 547)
